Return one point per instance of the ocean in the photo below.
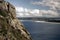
(41, 30)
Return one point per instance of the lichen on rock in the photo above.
(10, 27)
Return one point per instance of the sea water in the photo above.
(41, 30)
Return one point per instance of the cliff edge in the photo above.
(10, 27)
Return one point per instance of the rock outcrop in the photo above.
(10, 27)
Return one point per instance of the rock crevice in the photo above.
(10, 27)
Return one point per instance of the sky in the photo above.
(36, 8)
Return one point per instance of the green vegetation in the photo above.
(3, 13)
(3, 25)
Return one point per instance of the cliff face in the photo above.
(10, 27)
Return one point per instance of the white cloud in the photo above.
(50, 3)
(34, 11)
(24, 12)
(53, 4)
(20, 14)
(49, 13)
(19, 9)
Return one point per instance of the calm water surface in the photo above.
(42, 30)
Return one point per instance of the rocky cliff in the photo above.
(10, 27)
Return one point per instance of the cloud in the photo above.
(50, 3)
(35, 11)
(19, 9)
(48, 13)
(24, 12)
(54, 6)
